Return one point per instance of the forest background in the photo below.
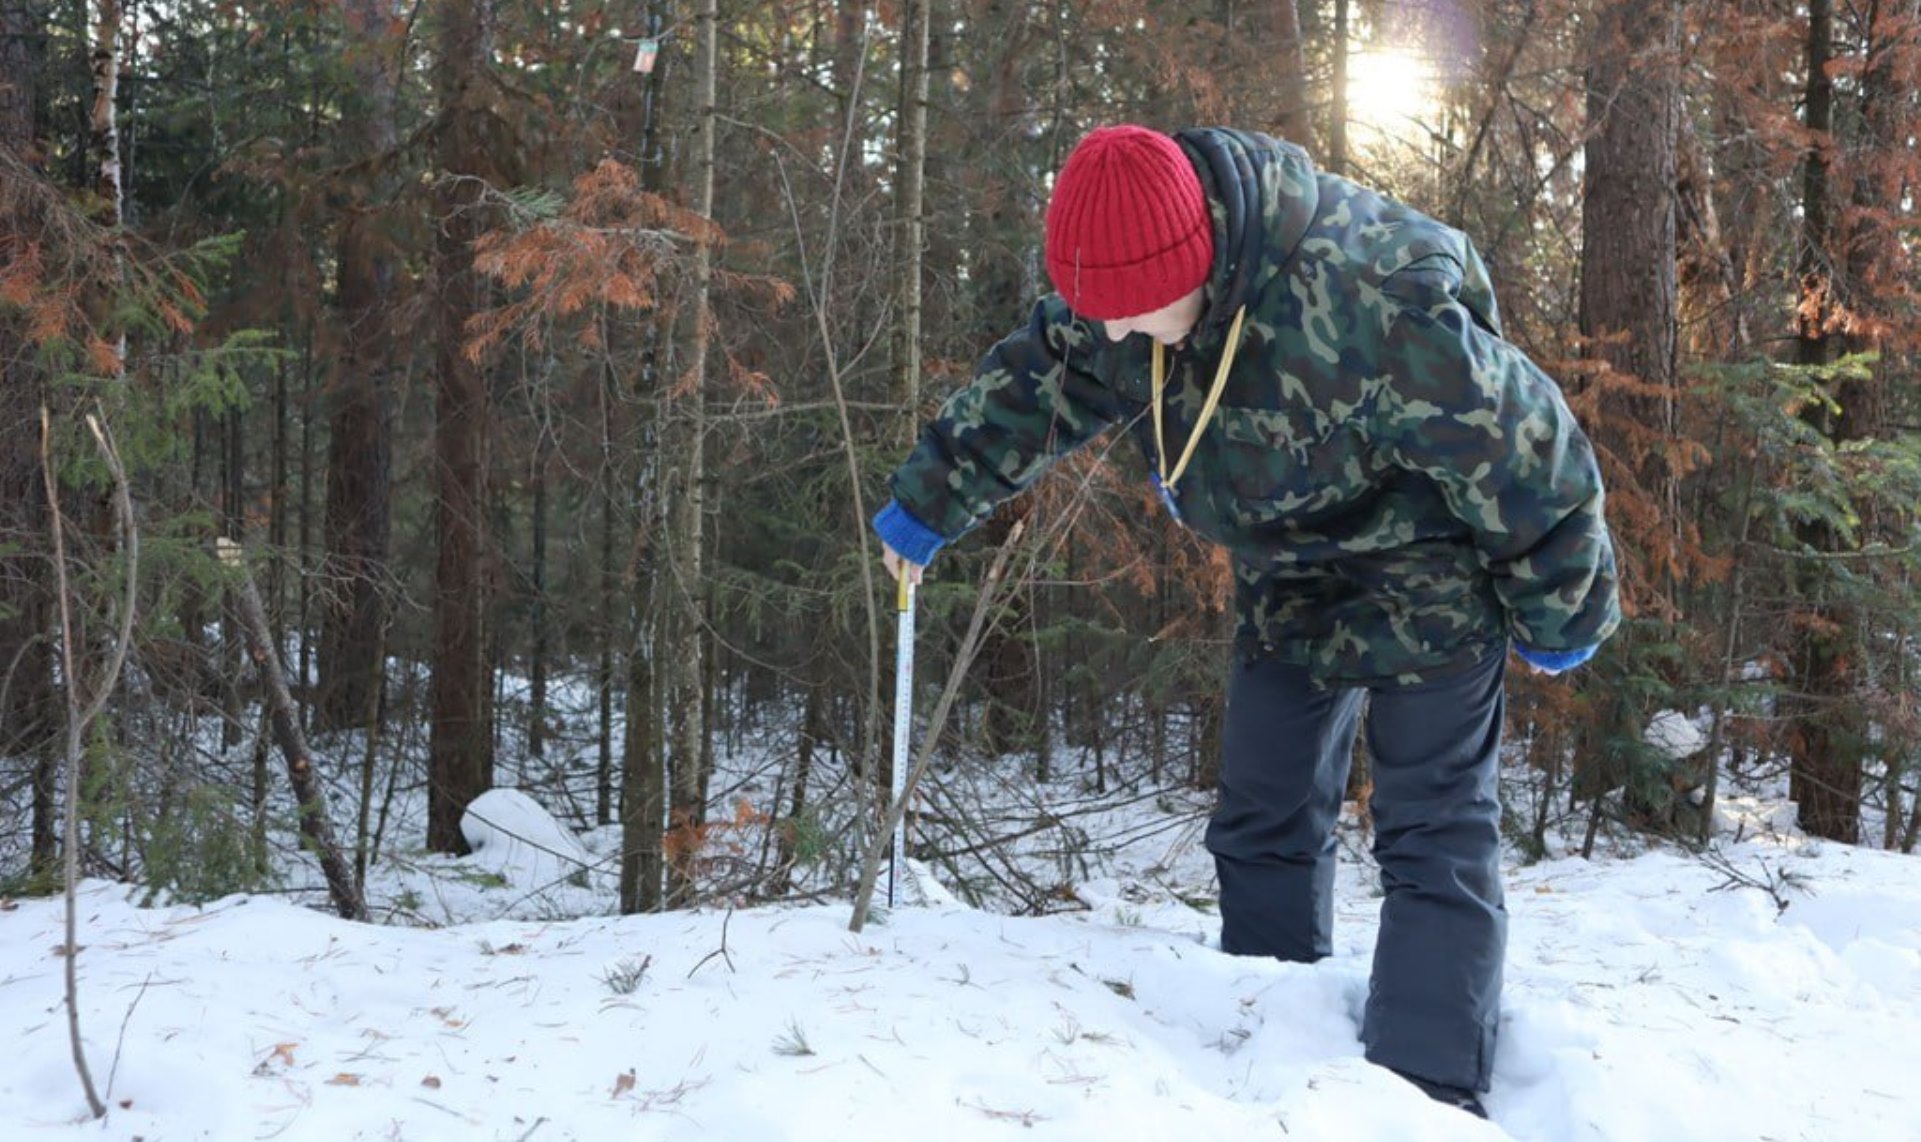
(546, 359)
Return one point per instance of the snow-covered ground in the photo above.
(1658, 997)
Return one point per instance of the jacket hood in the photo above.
(1234, 166)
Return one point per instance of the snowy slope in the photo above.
(1650, 999)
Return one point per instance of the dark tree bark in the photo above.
(1629, 267)
(614, 606)
(910, 239)
(1880, 263)
(1628, 308)
(1628, 244)
(28, 724)
(1001, 279)
(1849, 259)
(461, 764)
(1811, 333)
(910, 220)
(359, 448)
(233, 515)
(685, 428)
(643, 790)
(537, 610)
(23, 46)
(1277, 26)
(1710, 285)
(643, 772)
(28, 708)
(1337, 119)
(1824, 776)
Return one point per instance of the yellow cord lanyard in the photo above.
(1164, 480)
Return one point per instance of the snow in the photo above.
(1771, 992)
(1675, 734)
(518, 841)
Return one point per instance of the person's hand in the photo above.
(896, 565)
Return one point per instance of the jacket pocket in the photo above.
(1285, 464)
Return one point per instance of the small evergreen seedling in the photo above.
(794, 1043)
(624, 977)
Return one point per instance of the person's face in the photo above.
(1170, 324)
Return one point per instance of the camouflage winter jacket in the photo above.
(1401, 489)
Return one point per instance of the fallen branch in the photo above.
(720, 951)
(1779, 882)
(315, 825)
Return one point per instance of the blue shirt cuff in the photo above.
(1555, 660)
(914, 540)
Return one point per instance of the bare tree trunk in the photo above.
(277, 482)
(1851, 264)
(1824, 776)
(1279, 25)
(851, 18)
(643, 785)
(643, 774)
(1878, 253)
(104, 125)
(813, 731)
(303, 593)
(1337, 121)
(23, 47)
(1001, 294)
(315, 824)
(644, 789)
(910, 236)
(613, 608)
(537, 611)
(1709, 284)
(910, 219)
(1811, 345)
(1629, 311)
(1878, 258)
(359, 447)
(686, 422)
(232, 501)
(461, 763)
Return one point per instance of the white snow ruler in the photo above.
(903, 725)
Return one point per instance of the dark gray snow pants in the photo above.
(1434, 995)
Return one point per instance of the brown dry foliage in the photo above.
(614, 246)
(51, 256)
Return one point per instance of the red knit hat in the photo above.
(1127, 229)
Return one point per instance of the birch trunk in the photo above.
(686, 509)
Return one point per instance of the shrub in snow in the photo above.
(514, 838)
(1675, 735)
